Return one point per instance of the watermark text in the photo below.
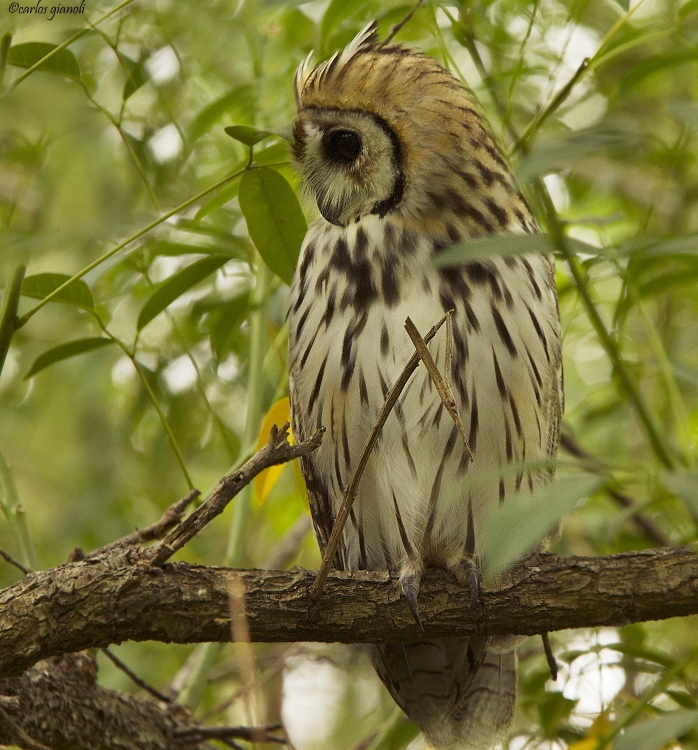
(49, 12)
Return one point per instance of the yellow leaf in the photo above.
(597, 731)
(278, 414)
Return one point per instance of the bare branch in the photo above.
(276, 451)
(8, 558)
(120, 596)
(399, 26)
(171, 517)
(250, 734)
(134, 677)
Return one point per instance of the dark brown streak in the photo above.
(352, 488)
(401, 526)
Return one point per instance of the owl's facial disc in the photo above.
(350, 161)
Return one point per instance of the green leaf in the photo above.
(684, 699)
(655, 733)
(137, 76)
(64, 351)
(553, 710)
(175, 249)
(497, 244)
(274, 219)
(247, 135)
(507, 243)
(224, 323)
(176, 285)
(687, 8)
(656, 63)
(559, 152)
(679, 245)
(222, 196)
(27, 55)
(42, 284)
(240, 103)
(517, 527)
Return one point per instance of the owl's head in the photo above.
(381, 127)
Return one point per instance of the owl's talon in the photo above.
(410, 588)
(474, 586)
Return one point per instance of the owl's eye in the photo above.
(342, 145)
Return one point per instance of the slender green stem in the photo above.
(8, 312)
(4, 51)
(673, 392)
(153, 400)
(63, 45)
(206, 654)
(193, 691)
(24, 318)
(617, 26)
(519, 65)
(535, 124)
(16, 516)
(255, 384)
(129, 148)
(662, 450)
(654, 433)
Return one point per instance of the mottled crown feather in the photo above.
(367, 72)
(366, 39)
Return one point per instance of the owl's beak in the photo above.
(332, 212)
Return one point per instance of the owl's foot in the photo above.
(410, 588)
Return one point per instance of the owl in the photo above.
(402, 164)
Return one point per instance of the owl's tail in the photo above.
(460, 692)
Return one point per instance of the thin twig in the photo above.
(171, 517)
(12, 561)
(353, 486)
(399, 26)
(443, 386)
(276, 451)
(552, 663)
(250, 734)
(134, 677)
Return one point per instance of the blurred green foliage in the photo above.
(182, 341)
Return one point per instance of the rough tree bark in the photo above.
(120, 596)
(61, 707)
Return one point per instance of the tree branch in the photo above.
(120, 596)
(276, 451)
